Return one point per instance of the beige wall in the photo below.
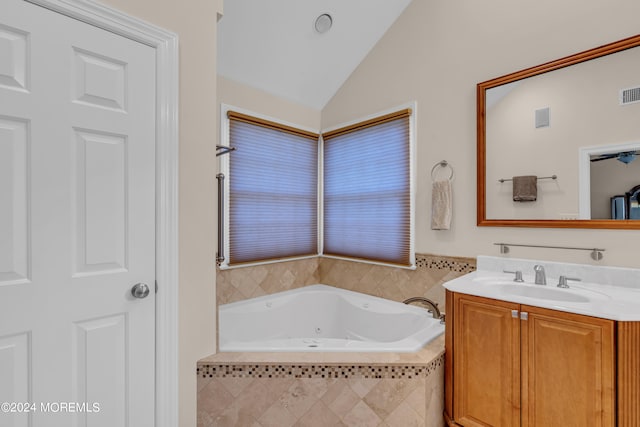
(435, 54)
(195, 23)
(260, 102)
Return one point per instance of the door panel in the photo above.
(14, 371)
(14, 65)
(100, 367)
(567, 369)
(14, 225)
(486, 362)
(100, 203)
(77, 220)
(99, 81)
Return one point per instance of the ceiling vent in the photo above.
(630, 96)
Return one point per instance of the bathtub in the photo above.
(327, 319)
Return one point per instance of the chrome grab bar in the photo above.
(220, 254)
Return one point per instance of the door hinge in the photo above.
(524, 315)
(514, 314)
(156, 286)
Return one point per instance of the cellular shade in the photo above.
(367, 199)
(273, 191)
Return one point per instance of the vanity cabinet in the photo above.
(516, 365)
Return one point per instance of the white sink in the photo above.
(605, 292)
(542, 292)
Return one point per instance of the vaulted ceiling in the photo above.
(273, 45)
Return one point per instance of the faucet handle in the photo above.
(562, 281)
(518, 274)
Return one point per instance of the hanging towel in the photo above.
(525, 188)
(441, 208)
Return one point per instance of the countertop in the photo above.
(606, 301)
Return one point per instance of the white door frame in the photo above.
(166, 45)
(584, 171)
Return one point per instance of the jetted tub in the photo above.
(324, 318)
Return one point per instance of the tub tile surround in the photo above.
(322, 389)
(392, 283)
(345, 389)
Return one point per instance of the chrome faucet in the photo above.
(433, 307)
(541, 278)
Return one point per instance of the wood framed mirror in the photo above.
(576, 118)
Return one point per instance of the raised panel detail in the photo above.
(15, 355)
(101, 353)
(101, 203)
(100, 81)
(14, 201)
(14, 59)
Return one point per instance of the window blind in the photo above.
(367, 191)
(273, 191)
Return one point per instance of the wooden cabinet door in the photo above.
(567, 369)
(486, 362)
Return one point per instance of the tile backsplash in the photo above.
(388, 282)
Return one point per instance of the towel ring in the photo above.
(442, 164)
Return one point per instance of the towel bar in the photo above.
(540, 177)
(596, 253)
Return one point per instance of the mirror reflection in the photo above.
(579, 123)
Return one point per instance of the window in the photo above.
(367, 190)
(273, 190)
(273, 199)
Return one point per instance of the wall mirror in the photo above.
(574, 124)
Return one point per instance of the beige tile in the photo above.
(258, 273)
(235, 414)
(224, 290)
(214, 399)
(362, 386)
(385, 397)
(434, 398)
(300, 397)
(404, 416)
(418, 400)
(256, 399)
(204, 419)
(277, 416)
(258, 292)
(361, 416)
(277, 386)
(235, 296)
(319, 416)
(235, 386)
(242, 281)
(340, 398)
(202, 382)
(287, 280)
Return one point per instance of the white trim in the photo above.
(584, 171)
(167, 84)
(367, 261)
(271, 261)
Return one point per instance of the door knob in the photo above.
(140, 290)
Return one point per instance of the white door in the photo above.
(77, 223)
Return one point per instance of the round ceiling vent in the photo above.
(323, 23)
